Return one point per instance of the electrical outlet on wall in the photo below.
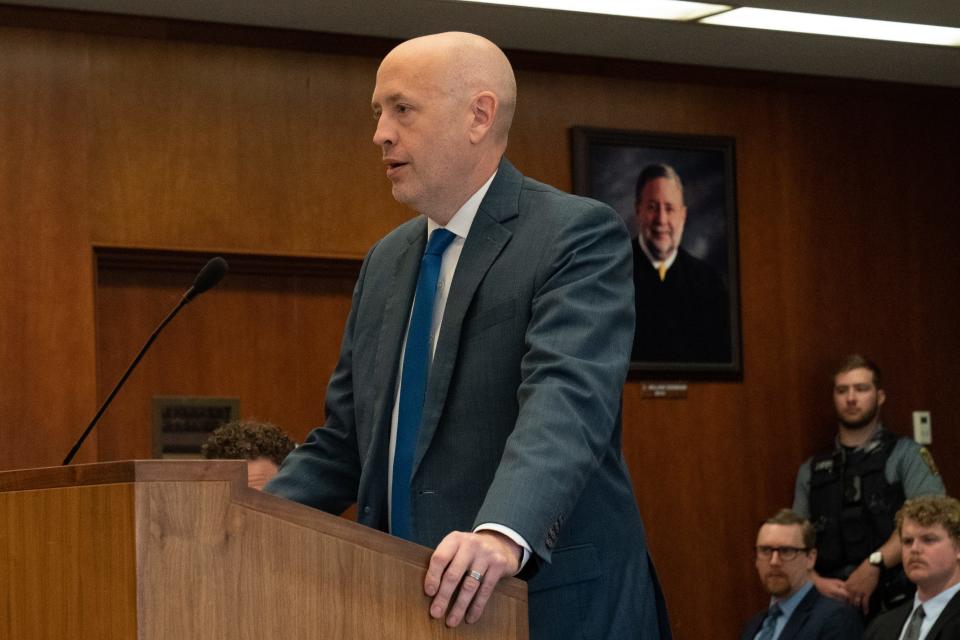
(922, 431)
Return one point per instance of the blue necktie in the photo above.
(413, 382)
(770, 623)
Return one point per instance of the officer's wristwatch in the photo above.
(876, 559)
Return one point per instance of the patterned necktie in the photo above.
(413, 382)
(916, 621)
(770, 623)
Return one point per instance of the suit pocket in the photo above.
(569, 565)
(565, 594)
(499, 312)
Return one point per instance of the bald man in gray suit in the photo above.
(517, 464)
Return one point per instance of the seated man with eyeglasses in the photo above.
(785, 555)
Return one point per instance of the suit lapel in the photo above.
(753, 626)
(950, 612)
(800, 614)
(901, 618)
(396, 312)
(485, 241)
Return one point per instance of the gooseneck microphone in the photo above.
(208, 278)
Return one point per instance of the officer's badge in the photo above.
(824, 465)
(927, 458)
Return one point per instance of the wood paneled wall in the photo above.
(847, 204)
(269, 335)
(46, 286)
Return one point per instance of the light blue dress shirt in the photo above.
(932, 609)
(788, 606)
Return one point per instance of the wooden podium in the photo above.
(184, 550)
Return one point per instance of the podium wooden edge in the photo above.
(234, 472)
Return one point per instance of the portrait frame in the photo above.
(606, 165)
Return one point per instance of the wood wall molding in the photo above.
(171, 260)
(109, 24)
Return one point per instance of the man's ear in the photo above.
(881, 397)
(483, 109)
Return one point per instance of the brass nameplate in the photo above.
(664, 390)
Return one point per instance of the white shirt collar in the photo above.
(461, 221)
(933, 607)
(656, 263)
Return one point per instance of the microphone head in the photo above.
(209, 276)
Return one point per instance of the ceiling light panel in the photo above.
(656, 9)
(836, 26)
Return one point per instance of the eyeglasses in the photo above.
(786, 553)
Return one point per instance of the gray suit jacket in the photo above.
(521, 422)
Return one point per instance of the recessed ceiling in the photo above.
(592, 35)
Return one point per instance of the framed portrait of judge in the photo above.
(677, 195)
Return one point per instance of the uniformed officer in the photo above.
(852, 492)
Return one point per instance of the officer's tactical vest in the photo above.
(852, 506)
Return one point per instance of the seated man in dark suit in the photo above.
(786, 554)
(929, 529)
(683, 310)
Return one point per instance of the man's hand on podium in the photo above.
(473, 561)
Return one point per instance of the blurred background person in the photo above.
(263, 445)
(852, 491)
